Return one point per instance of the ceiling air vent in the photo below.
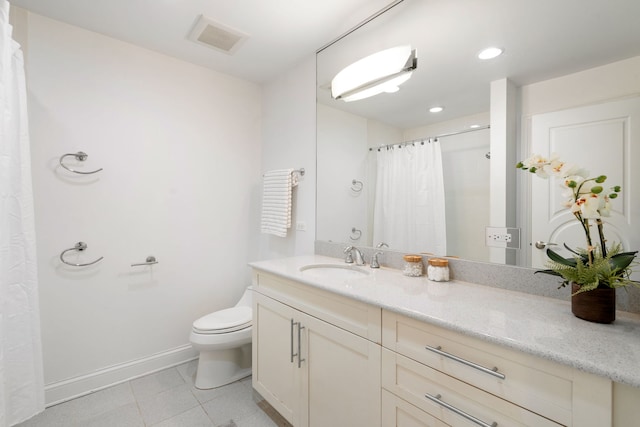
(217, 36)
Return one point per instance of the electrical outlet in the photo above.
(502, 237)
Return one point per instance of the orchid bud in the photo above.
(601, 179)
(613, 196)
(520, 165)
(572, 184)
(596, 189)
(617, 189)
(533, 169)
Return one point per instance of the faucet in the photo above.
(350, 250)
(374, 260)
(382, 245)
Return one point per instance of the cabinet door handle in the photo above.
(292, 353)
(300, 359)
(493, 371)
(437, 399)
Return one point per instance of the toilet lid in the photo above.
(228, 320)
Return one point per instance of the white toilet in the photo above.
(223, 339)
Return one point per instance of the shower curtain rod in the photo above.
(402, 144)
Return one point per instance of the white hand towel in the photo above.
(276, 202)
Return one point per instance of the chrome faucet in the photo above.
(350, 250)
(382, 245)
(374, 260)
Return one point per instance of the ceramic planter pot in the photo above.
(598, 305)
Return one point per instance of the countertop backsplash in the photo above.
(495, 275)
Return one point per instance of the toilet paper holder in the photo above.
(149, 261)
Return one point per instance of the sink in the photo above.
(333, 271)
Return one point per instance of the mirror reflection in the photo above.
(392, 172)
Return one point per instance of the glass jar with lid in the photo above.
(438, 270)
(412, 265)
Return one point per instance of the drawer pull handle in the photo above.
(436, 399)
(494, 371)
(292, 353)
(300, 359)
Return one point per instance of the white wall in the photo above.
(181, 148)
(289, 141)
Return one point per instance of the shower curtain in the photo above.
(409, 212)
(21, 377)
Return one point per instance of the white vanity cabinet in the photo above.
(316, 355)
(431, 372)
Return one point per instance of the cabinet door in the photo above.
(275, 373)
(341, 376)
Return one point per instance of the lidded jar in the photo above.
(438, 270)
(412, 265)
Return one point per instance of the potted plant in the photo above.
(596, 271)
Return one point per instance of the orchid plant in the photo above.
(589, 201)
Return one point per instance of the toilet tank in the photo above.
(246, 298)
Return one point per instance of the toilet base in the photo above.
(220, 367)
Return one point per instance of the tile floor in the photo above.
(165, 399)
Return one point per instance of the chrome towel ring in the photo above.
(356, 186)
(355, 234)
(80, 246)
(80, 156)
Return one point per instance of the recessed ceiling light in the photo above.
(436, 109)
(490, 53)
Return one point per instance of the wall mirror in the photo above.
(541, 40)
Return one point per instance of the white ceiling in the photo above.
(282, 32)
(543, 39)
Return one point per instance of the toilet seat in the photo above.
(224, 321)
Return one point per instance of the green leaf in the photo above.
(554, 256)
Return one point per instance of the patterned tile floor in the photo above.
(165, 399)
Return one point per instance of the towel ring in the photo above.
(356, 186)
(355, 234)
(80, 246)
(80, 156)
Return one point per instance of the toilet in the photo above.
(223, 339)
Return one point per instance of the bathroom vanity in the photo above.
(345, 346)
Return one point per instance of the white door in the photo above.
(604, 139)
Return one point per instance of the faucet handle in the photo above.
(374, 260)
(349, 258)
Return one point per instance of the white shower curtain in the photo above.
(21, 377)
(409, 211)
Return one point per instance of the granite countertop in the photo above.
(540, 326)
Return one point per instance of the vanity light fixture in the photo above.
(436, 109)
(490, 53)
(383, 71)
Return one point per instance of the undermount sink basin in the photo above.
(334, 271)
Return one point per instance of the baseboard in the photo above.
(71, 388)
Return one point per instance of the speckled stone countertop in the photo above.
(540, 326)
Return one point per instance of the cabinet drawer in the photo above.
(400, 413)
(351, 315)
(452, 401)
(537, 384)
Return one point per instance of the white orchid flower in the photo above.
(561, 169)
(588, 206)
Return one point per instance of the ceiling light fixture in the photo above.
(383, 71)
(436, 109)
(490, 53)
